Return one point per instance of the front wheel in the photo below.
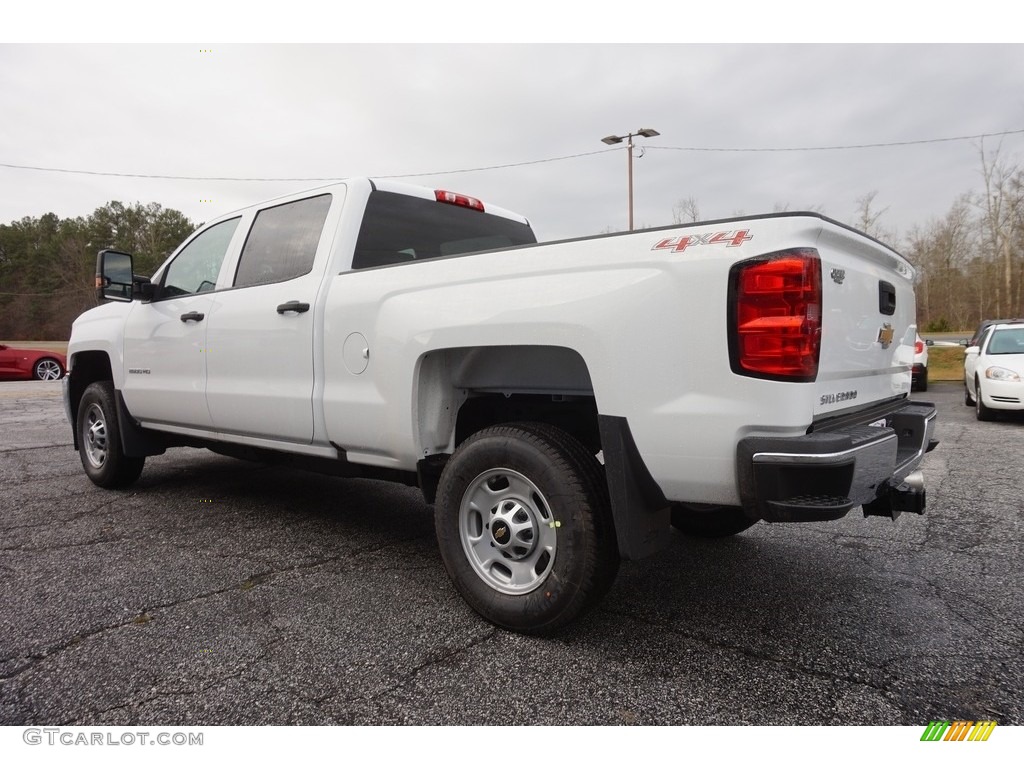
(524, 526)
(99, 440)
(981, 411)
(709, 521)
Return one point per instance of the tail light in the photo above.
(453, 198)
(918, 347)
(775, 316)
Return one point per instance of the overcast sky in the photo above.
(331, 111)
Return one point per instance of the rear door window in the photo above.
(282, 242)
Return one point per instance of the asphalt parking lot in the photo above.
(219, 592)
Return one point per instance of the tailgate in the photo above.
(868, 322)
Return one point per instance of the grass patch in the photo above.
(945, 364)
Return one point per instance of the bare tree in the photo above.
(686, 211)
(868, 219)
(1001, 208)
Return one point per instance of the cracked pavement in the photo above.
(216, 592)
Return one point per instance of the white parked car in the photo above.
(994, 371)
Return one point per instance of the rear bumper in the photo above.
(828, 472)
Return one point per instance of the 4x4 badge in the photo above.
(885, 335)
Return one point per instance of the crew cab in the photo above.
(562, 405)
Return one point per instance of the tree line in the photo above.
(971, 260)
(48, 264)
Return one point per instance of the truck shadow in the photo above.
(772, 589)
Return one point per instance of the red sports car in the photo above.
(42, 364)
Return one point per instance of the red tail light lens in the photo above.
(918, 347)
(775, 316)
(454, 198)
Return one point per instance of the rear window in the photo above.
(398, 228)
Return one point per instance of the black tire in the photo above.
(99, 440)
(524, 527)
(968, 400)
(922, 384)
(981, 411)
(47, 369)
(708, 521)
(607, 542)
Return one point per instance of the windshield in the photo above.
(1008, 341)
(399, 228)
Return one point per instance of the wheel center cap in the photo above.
(501, 533)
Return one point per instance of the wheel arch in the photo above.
(84, 368)
(461, 391)
(88, 367)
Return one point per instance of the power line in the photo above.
(307, 178)
(839, 146)
(53, 293)
(169, 177)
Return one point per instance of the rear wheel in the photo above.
(99, 440)
(524, 526)
(709, 521)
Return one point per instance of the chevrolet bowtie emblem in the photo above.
(885, 335)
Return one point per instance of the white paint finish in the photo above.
(171, 354)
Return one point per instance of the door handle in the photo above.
(292, 306)
(197, 316)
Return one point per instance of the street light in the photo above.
(646, 133)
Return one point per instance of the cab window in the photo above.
(195, 269)
(282, 242)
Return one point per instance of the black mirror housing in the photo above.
(114, 277)
(115, 280)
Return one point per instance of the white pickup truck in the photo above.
(562, 405)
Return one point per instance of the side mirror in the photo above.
(115, 280)
(971, 351)
(929, 343)
(114, 276)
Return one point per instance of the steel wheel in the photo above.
(48, 369)
(507, 531)
(524, 526)
(99, 439)
(94, 436)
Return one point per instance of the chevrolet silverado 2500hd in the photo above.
(562, 405)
